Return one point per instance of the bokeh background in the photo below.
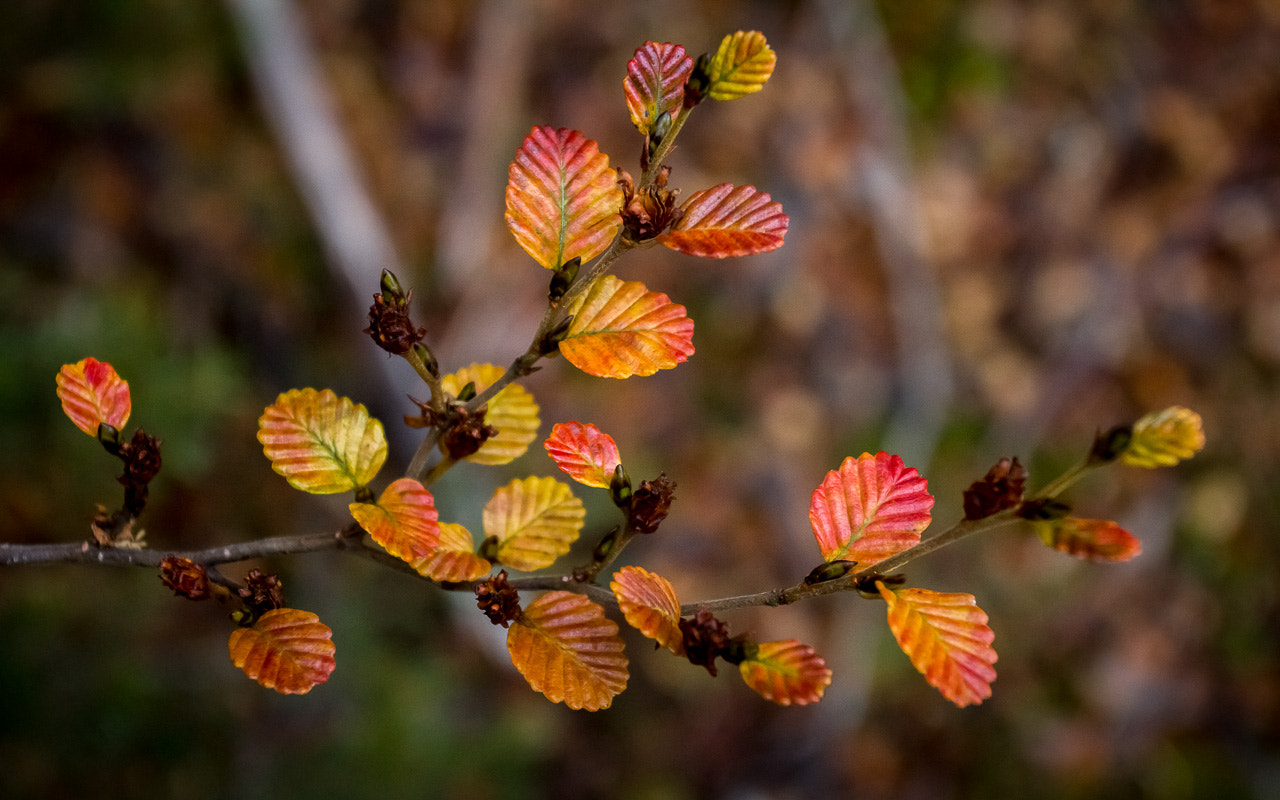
(1013, 222)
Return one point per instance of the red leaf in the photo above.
(872, 508)
(621, 329)
(728, 220)
(566, 648)
(583, 453)
(92, 393)
(787, 672)
(286, 649)
(655, 80)
(403, 521)
(1094, 539)
(947, 639)
(649, 604)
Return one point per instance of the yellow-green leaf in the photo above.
(322, 443)
(403, 521)
(535, 520)
(512, 411)
(1163, 438)
(567, 649)
(741, 66)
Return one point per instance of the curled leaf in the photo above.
(562, 198)
(947, 639)
(786, 672)
(513, 411)
(1163, 438)
(1093, 539)
(621, 329)
(92, 393)
(583, 453)
(535, 521)
(649, 604)
(403, 521)
(655, 83)
(454, 558)
(871, 508)
(567, 649)
(741, 66)
(322, 443)
(288, 650)
(727, 220)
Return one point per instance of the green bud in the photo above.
(428, 359)
(488, 549)
(830, 571)
(467, 392)
(620, 487)
(562, 278)
(605, 546)
(109, 437)
(390, 286)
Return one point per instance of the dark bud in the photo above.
(389, 324)
(141, 456)
(1001, 488)
(1043, 510)
(488, 549)
(699, 80)
(185, 577)
(261, 593)
(605, 546)
(1107, 447)
(551, 341)
(468, 432)
(866, 584)
(830, 571)
(498, 599)
(620, 487)
(109, 438)
(705, 638)
(563, 278)
(739, 649)
(650, 504)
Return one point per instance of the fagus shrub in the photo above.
(576, 215)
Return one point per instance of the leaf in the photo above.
(403, 521)
(947, 639)
(655, 80)
(454, 559)
(787, 672)
(535, 521)
(322, 443)
(872, 508)
(741, 66)
(1093, 539)
(1163, 438)
(649, 604)
(562, 198)
(286, 649)
(727, 220)
(92, 393)
(513, 411)
(567, 649)
(583, 452)
(621, 329)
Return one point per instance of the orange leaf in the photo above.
(1163, 438)
(649, 604)
(621, 329)
(535, 520)
(403, 521)
(787, 672)
(728, 220)
(286, 649)
(947, 639)
(454, 559)
(92, 393)
(322, 443)
(562, 198)
(513, 411)
(583, 452)
(873, 507)
(567, 649)
(1094, 539)
(655, 80)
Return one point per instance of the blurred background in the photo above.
(1013, 222)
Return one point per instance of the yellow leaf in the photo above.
(535, 520)
(1163, 438)
(322, 443)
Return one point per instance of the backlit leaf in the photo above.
(288, 650)
(727, 220)
(535, 520)
(1163, 438)
(649, 604)
(403, 521)
(869, 509)
(787, 672)
(655, 80)
(740, 66)
(562, 198)
(1093, 539)
(455, 558)
(621, 329)
(322, 443)
(947, 639)
(92, 393)
(513, 411)
(583, 452)
(567, 649)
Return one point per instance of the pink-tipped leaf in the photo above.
(92, 393)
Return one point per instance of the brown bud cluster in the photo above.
(261, 593)
(650, 504)
(467, 434)
(705, 638)
(185, 577)
(141, 457)
(498, 599)
(1001, 488)
(649, 212)
(390, 326)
